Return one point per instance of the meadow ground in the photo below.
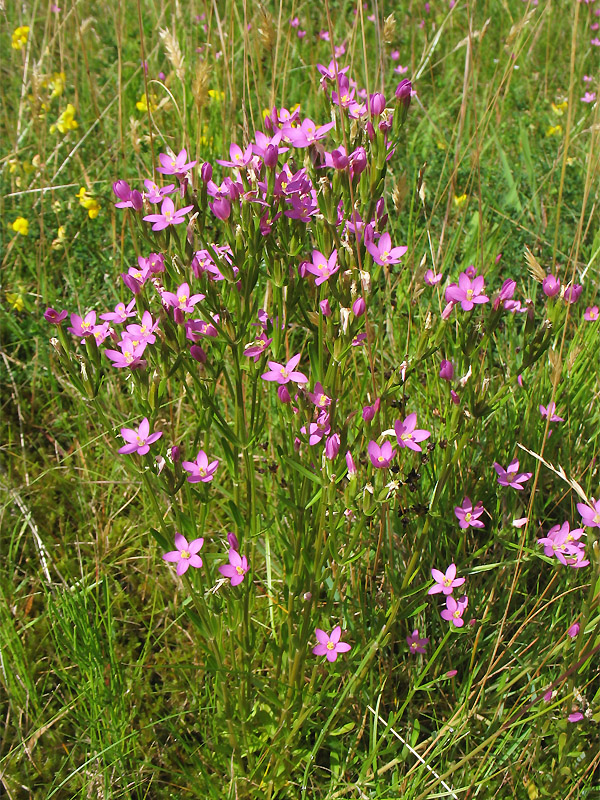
(351, 376)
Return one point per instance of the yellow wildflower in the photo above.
(57, 84)
(66, 121)
(460, 200)
(15, 300)
(20, 36)
(560, 108)
(265, 112)
(142, 103)
(554, 130)
(20, 225)
(441, 145)
(216, 94)
(61, 237)
(89, 202)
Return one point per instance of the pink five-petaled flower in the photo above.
(236, 569)
(562, 543)
(511, 475)
(285, 374)
(383, 253)
(467, 515)
(175, 165)
(121, 313)
(431, 278)
(406, 434)
(590, 515)
(445, 581)
(168, 215)
(415, 643)
(328, 645)
(454, 610)
(467, 292)
(82, 327)
(139, 441)
(181, 298)
(381, 457)
(186, 554)
(591, 314)
(322, 267)
(200, 470)
(550, 412)
(55, 317)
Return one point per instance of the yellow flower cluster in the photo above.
(21, 226)
(554, 130)
(20, 36)
(56, 84)
(15, 300)
(66, 121)
(142, 103)
(89, 202)
(216, 94)
(560, 108)
(460, 200)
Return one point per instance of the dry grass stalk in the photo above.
(173, 52)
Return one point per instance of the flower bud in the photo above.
(350, 464)
(175, 453)
(403, 92)
(131, 283)
(137, 200)
(325, 308)
(377, 104)
(271, 156)
(283, 394)
(573, 293)
(221, 208)
(206, 172)
(198, 354)
(233, 542)
(446, 370)
(332, 446)
(122, 190)
(359, 306)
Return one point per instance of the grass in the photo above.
(120, 680)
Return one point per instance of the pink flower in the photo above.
(551, 285)
(431, 278)
(590, 515)
(200, 470)
(168, 215)
(588, 97)
(445, 581)
(576, 716)
(454, 610)
(181, 298)
(573, 630)
(139, 441)
(406, 434)
(82, 327)
(383, 253)
(322, 267)
(285, 374)
(128, 355)
(121, 313)
(562, 543)
(591, 314)
(468, 516)
(186, 554)
(549, 412)
(511, 476)
(238, 157)
(236, 569)
(381, 457)
(467, 292)
(55, 317)
(175, 165)
(257, 347)
(415, 643)
(154, 194)
(328, 645)
(319, 397)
